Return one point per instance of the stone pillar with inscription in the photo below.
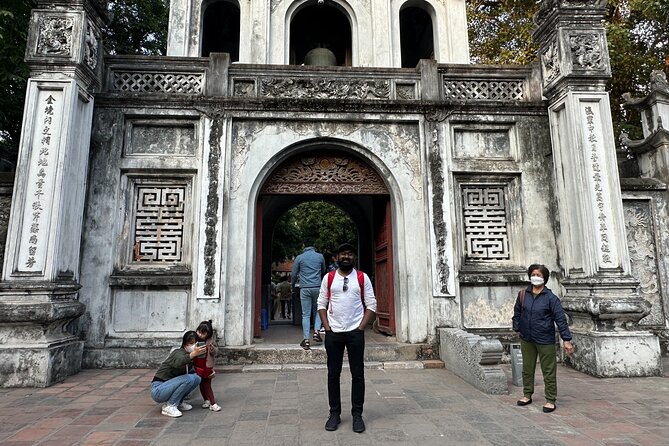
(38, 291)
(600, 295)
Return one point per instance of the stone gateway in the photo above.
(147, 188)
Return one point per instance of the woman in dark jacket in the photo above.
(172, 381)
(535, 314)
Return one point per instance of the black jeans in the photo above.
(354, 342)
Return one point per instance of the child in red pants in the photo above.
(204, 365)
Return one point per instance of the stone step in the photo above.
(386, 365)
(280, 354)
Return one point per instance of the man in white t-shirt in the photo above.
(345, 316)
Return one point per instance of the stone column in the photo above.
(600, 295)
(38, 292)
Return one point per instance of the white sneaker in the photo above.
(185, 406)
(206, 404)
(171, 411)
(215, 407)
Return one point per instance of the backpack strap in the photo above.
(330, 280)
(361, 283)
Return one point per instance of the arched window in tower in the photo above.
(220, 29)
(416, 34)
(320, 34)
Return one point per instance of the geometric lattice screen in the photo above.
(485, 221)
(159, 223)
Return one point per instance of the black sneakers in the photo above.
(305, 344)
(317, 337)
(332, 422)
(358, 424)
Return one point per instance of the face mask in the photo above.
(190, 348)
(536, 280)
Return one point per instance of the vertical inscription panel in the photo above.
(598, 182)
(485, 223)
(159, 223)
(42, 158)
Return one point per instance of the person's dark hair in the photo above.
(307, 242)
(328, 257)
(542, 269)
(206, 327)
(346, 247)
(189, 337)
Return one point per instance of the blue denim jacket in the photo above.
(309, 268)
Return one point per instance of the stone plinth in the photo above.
(35, 348)
(606, 334)
(474, 359)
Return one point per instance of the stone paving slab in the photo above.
(289, 407)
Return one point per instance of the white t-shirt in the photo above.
(345, 310)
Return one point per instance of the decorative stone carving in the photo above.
(547, 6)
(128, 82)
(5, 206)
(55, 36)
(485, 223)
(405, 91)
(325, 89)
(550, 63)
(92, 45)
(642, 248)
(159, 223)
(483, 90)
(658, 80)
(438, 221)
(244, 87)
(217, 117)
(324, 175)
(586, 51)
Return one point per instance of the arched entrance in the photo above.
(349, 182)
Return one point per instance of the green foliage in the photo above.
(138, 27)
(324, 223)
(500, 31)
(638, 39)
(14, 18)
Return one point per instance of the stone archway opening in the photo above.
(348, 182)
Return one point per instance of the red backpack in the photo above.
(361, 282)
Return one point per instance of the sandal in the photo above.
(524, 402)
(549, 409)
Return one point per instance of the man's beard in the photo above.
(345, 265)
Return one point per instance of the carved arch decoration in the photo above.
(322, 174)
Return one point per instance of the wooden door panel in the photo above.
(383, 276)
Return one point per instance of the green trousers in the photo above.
(546, 354)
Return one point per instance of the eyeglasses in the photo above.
(345, 288)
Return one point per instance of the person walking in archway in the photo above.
(308, 269)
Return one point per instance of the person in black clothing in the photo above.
(172, 381)
(535, 314)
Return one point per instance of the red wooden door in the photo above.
(257, 291)
(383, 275)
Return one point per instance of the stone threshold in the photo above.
(377, 365)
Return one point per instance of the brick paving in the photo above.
(403, 407)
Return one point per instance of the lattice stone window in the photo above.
(484, 90)
(158, 224)
(485, 223)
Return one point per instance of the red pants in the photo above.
(206, 391)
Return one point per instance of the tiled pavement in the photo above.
(407, 407)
